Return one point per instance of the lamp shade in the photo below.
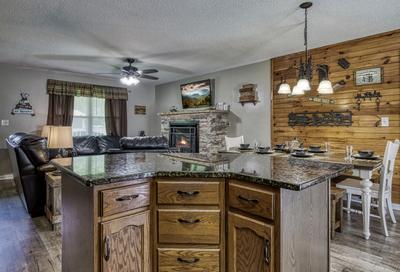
(45, 131)
(129, 80)
(284, 88)
(60, 137)
(297, 90)
(304, 84)
(325, 87)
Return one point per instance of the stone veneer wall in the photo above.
(213, 126)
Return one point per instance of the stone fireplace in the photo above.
(209, 125)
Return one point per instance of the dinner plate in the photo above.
(357, 156)
(265, 152)
(303, 155)
(317, 151)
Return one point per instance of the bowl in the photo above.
(244, 146)
(315, 147)
(366, 153)
(280, 146)
(264, 148)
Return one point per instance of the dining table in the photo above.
(362, 168)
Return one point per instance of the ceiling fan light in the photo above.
(304, 84)
(133, 80)
(124, 80)
(284, 88)
(297, 90)
(325, 87)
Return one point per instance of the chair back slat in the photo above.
(233, 142)
(388, 165)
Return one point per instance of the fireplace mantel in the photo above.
(191, 112)
(213, 125)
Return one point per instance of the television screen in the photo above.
(196, 94)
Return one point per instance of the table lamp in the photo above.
(45, 131)
(61, 138)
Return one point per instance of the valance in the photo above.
(59, 87)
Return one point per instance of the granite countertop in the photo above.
(278, 171)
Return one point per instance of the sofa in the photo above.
(30, 159)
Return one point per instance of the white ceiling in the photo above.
(181, 38)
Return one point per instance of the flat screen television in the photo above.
(196, 94)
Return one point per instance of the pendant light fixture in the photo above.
(306, 68)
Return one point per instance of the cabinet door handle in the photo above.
(191, 261)
(183, 193)
(187, 221)
(106, 250)
(266, 251)
(127, 197)
(254, 201)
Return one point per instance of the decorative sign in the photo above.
(140, 109)
(321, 100)
(318, 119)
(23, 106)
(368, 76)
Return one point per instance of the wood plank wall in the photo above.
(379, 50)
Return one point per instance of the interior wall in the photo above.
(366, 132)
(252, 121)
(16, 79)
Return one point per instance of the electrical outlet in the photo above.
(5, 123)
(384, 121)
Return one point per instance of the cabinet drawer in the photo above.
(123, 199)
(191, 260)
(196, 193)
(189, 226)
(252, 200)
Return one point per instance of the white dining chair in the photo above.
(381, 191)
(233, 141)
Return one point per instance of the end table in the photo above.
(53, 200)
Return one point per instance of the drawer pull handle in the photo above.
(187, 221)
(183, 193)
(254, 201)
(127, 197)
(106, 252)
(266, 251)
(192, 261)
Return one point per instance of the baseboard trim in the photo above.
(6, 177)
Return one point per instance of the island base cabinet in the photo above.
(125, 244)
(188, 260)
(250, 245)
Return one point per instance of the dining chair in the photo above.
(381, 191)
(233, 141)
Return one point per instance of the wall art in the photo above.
(140, 109)
(318, 119)
(23, 106)
(368, 76)
(368, 95)
(321, 100)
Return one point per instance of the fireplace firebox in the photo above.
(184, 136)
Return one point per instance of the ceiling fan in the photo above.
(130, 74)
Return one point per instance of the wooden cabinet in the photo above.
(250, 246)
(126, 243)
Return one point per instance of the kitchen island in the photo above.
(193, 212)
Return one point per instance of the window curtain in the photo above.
(116, 117)
(61, 110)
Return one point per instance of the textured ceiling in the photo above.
(181, 38)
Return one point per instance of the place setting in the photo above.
(366, 155)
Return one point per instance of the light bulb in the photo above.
(325, 87)
(304, 84)
(129, 80)
(297, 90)
(284, 88)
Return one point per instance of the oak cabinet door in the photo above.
(250, 245)
(126, 244)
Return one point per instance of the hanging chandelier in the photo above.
(306, 68)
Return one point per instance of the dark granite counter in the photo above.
(275, 170)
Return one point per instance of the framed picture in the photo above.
(368, 76)
(196, 94)
(140, 109)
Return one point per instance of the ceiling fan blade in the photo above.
(149, 77)
(108, 73)
(149, 71)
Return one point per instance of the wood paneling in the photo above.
(381, 50)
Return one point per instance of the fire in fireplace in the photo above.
(184, 136)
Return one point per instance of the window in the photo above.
(89, 116)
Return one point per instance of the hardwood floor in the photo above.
(29, 244)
